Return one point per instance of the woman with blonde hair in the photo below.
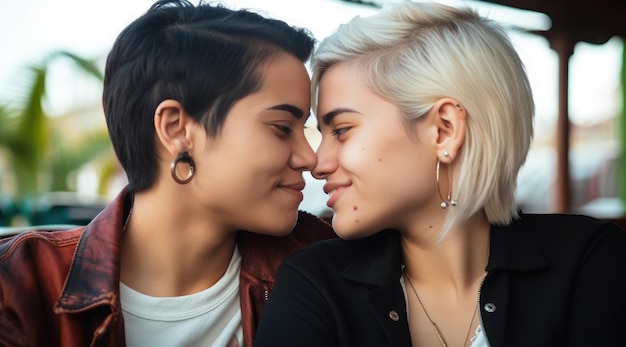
(426, 115)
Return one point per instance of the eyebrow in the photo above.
(328, 117)
(295, 111)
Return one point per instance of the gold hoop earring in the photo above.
(447, 201)
(183, 157)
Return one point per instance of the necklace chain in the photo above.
(442, 340)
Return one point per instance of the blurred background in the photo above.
(57, 165)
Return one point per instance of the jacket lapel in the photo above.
(512, 249)
(380, 269)
(94, 276)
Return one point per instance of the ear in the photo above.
(451, 122)
(173, 127)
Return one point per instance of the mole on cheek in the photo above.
(380, 159)
(354, 208)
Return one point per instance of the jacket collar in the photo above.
(381, 259)
(512, 248)
(94, 275)
(379, 268)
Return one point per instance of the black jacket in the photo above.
(553, 280)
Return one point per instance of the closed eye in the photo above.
(340, 131)
(283, 129)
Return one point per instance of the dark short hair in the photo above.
(207, 57)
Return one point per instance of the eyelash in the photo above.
(340, 131)
(285, 130)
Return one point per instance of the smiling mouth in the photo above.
(299, 186)
(294, 190)
(333, 195)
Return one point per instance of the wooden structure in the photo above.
(573, 21)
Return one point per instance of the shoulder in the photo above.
(559, 239)
(568, 227)
(35, 253)
(34, 257)
(574, 221)
(37, 241)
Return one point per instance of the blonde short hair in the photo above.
(417, 53)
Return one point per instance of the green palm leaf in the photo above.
(38, 160)
(67, 158)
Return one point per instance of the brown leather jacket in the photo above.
(61, 288)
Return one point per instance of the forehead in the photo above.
(284, 79)
(285, 88)
(342, 85)
(344, 90)
(343, 72)
(284, 71)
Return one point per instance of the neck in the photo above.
(453, 263)
(442, 282)
(172, 251)
(435, 326)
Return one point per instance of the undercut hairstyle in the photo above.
(207, 57)
(414, 54)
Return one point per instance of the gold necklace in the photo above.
(433, 324)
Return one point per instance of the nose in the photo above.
(326, 162)
(303, 158)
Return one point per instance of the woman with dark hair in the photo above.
(205, 107)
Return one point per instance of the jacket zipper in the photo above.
(479, 290)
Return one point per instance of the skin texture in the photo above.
(380, 173)
(365, 151)
(180, 238)
(255, 164)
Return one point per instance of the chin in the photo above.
(352, 230)
(282, 228)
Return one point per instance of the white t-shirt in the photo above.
(479, 339)
(211, 317)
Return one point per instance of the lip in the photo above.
(294, 189)
(334, 190)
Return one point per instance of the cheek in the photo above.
(264, 156)
(359, 158)
(375, 162)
